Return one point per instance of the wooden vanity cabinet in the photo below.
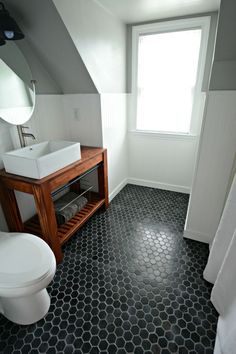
(44, 223)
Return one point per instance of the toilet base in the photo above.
(27, 309)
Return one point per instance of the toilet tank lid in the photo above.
(24, 259)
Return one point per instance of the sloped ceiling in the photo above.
(100, 39)
(51, 53)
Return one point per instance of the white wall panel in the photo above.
(114, 127)
(162, 162)
(82, 117)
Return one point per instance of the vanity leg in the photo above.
(47, 219)
(103, 180)
(10, 209)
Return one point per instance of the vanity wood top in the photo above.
(87, 153)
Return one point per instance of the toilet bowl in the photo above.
(27, 266)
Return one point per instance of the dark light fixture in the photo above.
(9, 30)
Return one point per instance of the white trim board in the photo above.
(159, 185)
(117, 189)
(197, 236)
(160, 135)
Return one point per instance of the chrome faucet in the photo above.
(22, 135)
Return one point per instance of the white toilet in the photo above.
(27, 266)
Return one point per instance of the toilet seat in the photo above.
(25, 259)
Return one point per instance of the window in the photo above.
(167, 74)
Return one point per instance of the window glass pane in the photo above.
(167, 71)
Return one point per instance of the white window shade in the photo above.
(166, 80)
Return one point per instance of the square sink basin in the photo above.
(40, 160)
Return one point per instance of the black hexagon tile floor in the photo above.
(129, 283)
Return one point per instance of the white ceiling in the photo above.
(131, 11)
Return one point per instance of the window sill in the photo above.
(164, 135)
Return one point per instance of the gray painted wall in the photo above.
(53, 57)
(224, 67)
(225, 44)
(45, 83)
(210, 49)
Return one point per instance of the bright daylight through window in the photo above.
(167, 71)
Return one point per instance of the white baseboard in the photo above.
(153, 184)
(197, 236)
(117, 189)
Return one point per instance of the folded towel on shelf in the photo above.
(65, 212)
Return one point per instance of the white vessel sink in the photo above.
(40, 160)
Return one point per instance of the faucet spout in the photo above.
(23, 135)
(29, 135)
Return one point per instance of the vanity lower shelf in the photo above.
(66, 230)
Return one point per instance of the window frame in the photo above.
(162, 27)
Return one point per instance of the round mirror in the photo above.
(17, 94)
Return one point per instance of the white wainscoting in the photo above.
(162, 162)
